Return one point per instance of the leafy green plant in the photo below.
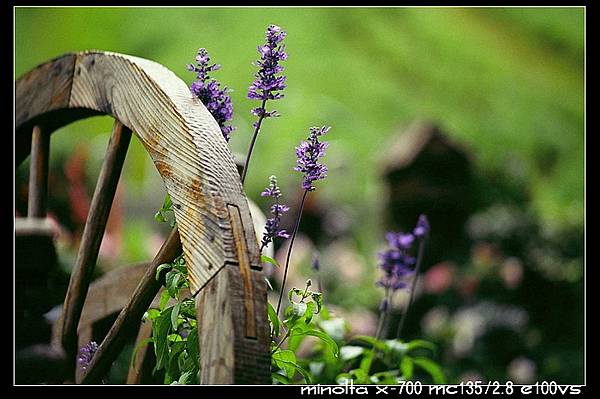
(174, 327)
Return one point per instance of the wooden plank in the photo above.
(221, 323)
(245, 272)
(93, 232)
(129, 318)
(38, 173)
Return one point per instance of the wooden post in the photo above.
(38, 173)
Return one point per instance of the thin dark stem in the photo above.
(383, 315)
(289, 253)
(254, 136)
(412, 287)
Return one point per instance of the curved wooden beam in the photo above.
(197, 168)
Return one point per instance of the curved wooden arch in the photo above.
(199, 173)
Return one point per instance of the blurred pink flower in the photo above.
(439, 278)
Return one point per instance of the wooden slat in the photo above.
(92, 236)
(245, 271)
(131, 314)
(38, 173)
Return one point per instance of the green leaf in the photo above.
(273, 318)
(175, 315)
(318, 300)
(270, 260)
(151, 314)
(171, 282)
(330, 343)
(366, 361)
(421, 343)
(285, 360)
(160, 330)
(164, 299)
(377, 344)
(407, 367)
(167, 202)
(280, 378)
(161, 268)
(432, 368)
(193, 347)
(310, 311)
(159, 217)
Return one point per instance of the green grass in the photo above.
(508, 83)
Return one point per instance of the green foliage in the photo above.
(334, 360)
(174, 328)
(166, 214)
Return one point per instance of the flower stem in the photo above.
(289, 253)
(412, 287)
(254, 136)
(383, 315)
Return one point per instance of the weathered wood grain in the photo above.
(93, 232)
(38, 173)
(192, 157)
(222, 321)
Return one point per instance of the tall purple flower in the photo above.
(86, 353)
(272, 229)
(208, 90)
(308, 154)
(267, 84)
(396, 263)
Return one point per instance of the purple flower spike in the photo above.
(86, 354)
(267, 85)
(208, 90)
(272, 229)
(308, 154)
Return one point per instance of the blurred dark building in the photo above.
(425, 172)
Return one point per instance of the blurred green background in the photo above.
(507, 83)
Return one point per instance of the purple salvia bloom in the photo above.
(267, 85)
(396, 263)
(272, 229)
(208, 90)
(422, 228)
(308, 154)
(86, 354)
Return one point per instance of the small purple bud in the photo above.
(422, 228)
